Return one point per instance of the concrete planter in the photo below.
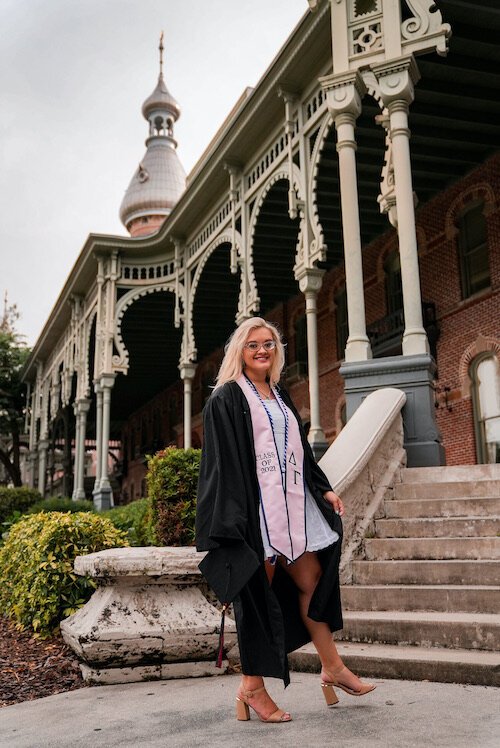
(148, 618)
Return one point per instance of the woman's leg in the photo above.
(305, 573)
(262, 702)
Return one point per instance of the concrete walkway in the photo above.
(200, 712)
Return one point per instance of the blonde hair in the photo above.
(232, 363)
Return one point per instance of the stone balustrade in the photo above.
(148, 618)
(362, 465)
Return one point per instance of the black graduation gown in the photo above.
(227, 526)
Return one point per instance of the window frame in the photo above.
(471, 284)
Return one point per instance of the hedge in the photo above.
(61, 504)
(52, 504)
(38, 586)
(16, 500)
(134, 519)
(172, 481)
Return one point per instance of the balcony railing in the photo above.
(386, 334)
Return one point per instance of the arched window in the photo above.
(159, 126)
(341, 321)
(485, 376)
(473, 251)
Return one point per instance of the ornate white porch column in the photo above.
(344, 94)
(32, 436)
(43, 445)
(310, 281)
(32, 468)
(107, 383)
(77, 448)
(396, 80)
(187, 372)
(43, 442)
(98, 435)
(103, 495)
(81, 409)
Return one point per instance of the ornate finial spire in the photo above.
(160, 179)
(161, 54)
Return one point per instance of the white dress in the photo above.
(319, 534)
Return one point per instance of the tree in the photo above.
(13, 355)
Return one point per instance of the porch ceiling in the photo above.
(454, 122)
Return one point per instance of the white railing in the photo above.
(362, 465)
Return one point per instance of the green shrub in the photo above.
(16, 500)
(135, 520)
(38, 586)
(61, 504)
(52, 504)
(172, 483)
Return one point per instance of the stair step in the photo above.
(442, 508)
(448, 490)
(427, 629)
(381, 549)
(408, 663)
(438, 527)
(445, 598)
(426, 572)
(449, 473)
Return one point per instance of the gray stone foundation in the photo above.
(413, 375)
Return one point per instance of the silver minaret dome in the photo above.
(159, 179)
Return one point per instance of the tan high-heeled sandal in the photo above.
(330, 695)
(243, 711)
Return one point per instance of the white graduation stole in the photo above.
(282, 487)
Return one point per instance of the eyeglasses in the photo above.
(253, 346)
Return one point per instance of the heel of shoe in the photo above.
(242, 711)
(329, 694)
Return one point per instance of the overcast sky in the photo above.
(73, 76)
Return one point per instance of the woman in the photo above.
(270, 522)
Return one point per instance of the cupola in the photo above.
(159, 179)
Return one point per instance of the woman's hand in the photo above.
(335, 501)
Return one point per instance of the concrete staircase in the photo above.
(425, 600)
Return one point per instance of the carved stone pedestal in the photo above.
(148, 618)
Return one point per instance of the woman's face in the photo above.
(258, 362)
